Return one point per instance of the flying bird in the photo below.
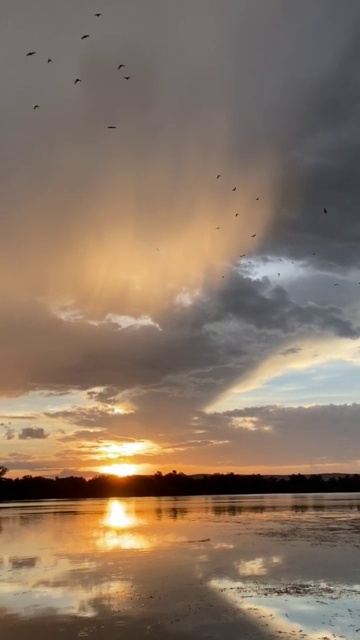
(336, 284)
(111, 127)
(120, 66)
(325, 210)
(127, 77)
(278, 275)
(253, 236)
(36, 106)
(49, 60)
(257, 198)
(97, 15)
(85, 36)
(234, 189)
(218, 176)
(236, 215)
(217, 228)
(77, 80)
(31, 53)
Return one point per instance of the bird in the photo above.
(217, 228)
(85, 36)
(278, 275)
(36, 106)
(325, 210)
(336, 284)
(127, 77)
(77, 80)
(253, 236)
(223, 276)
(257, 198)
(49, 60)
(218, 176)
(97, 15)
(236, 215)
(314, 254)
(31, 53)
(120, 66)
(111, 127)
(234, 189)
(157, 249)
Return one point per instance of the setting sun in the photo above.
(121, 470)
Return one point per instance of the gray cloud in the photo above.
(32, 433)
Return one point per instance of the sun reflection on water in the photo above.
(119, 531)
(118, 517)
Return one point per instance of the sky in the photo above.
(135, 335)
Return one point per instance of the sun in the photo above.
(120, 470)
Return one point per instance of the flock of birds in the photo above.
(122, 66)
(77, 80)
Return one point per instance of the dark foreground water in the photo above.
(227, 568)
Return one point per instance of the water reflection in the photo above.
(169, 558)
(118, 516)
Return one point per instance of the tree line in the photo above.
(170, 484)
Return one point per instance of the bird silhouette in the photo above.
(336, 284)
(31, 53)
(77, 80)
(253, 236)
(127, 77)
(218, 176)
(36, 106)
(217, 228)
(236, 215)
(97, 15)
(120, 66)
(234, 189)
(257, 198)
(278, 275)
(111, 127)
(49, 60)
(85, 36)
(325, 210)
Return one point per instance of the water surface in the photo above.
(204, 567)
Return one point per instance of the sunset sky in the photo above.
(133, 336)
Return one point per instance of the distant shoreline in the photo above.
(172, 485)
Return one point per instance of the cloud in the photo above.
(32, 433)
(118, 284)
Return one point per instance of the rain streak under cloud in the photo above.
(134, 331)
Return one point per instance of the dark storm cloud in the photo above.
(220, 337)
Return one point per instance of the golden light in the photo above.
(118, 520)
(115, 449)
(120, 470)
(117, 516)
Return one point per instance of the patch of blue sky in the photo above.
(335, 382)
